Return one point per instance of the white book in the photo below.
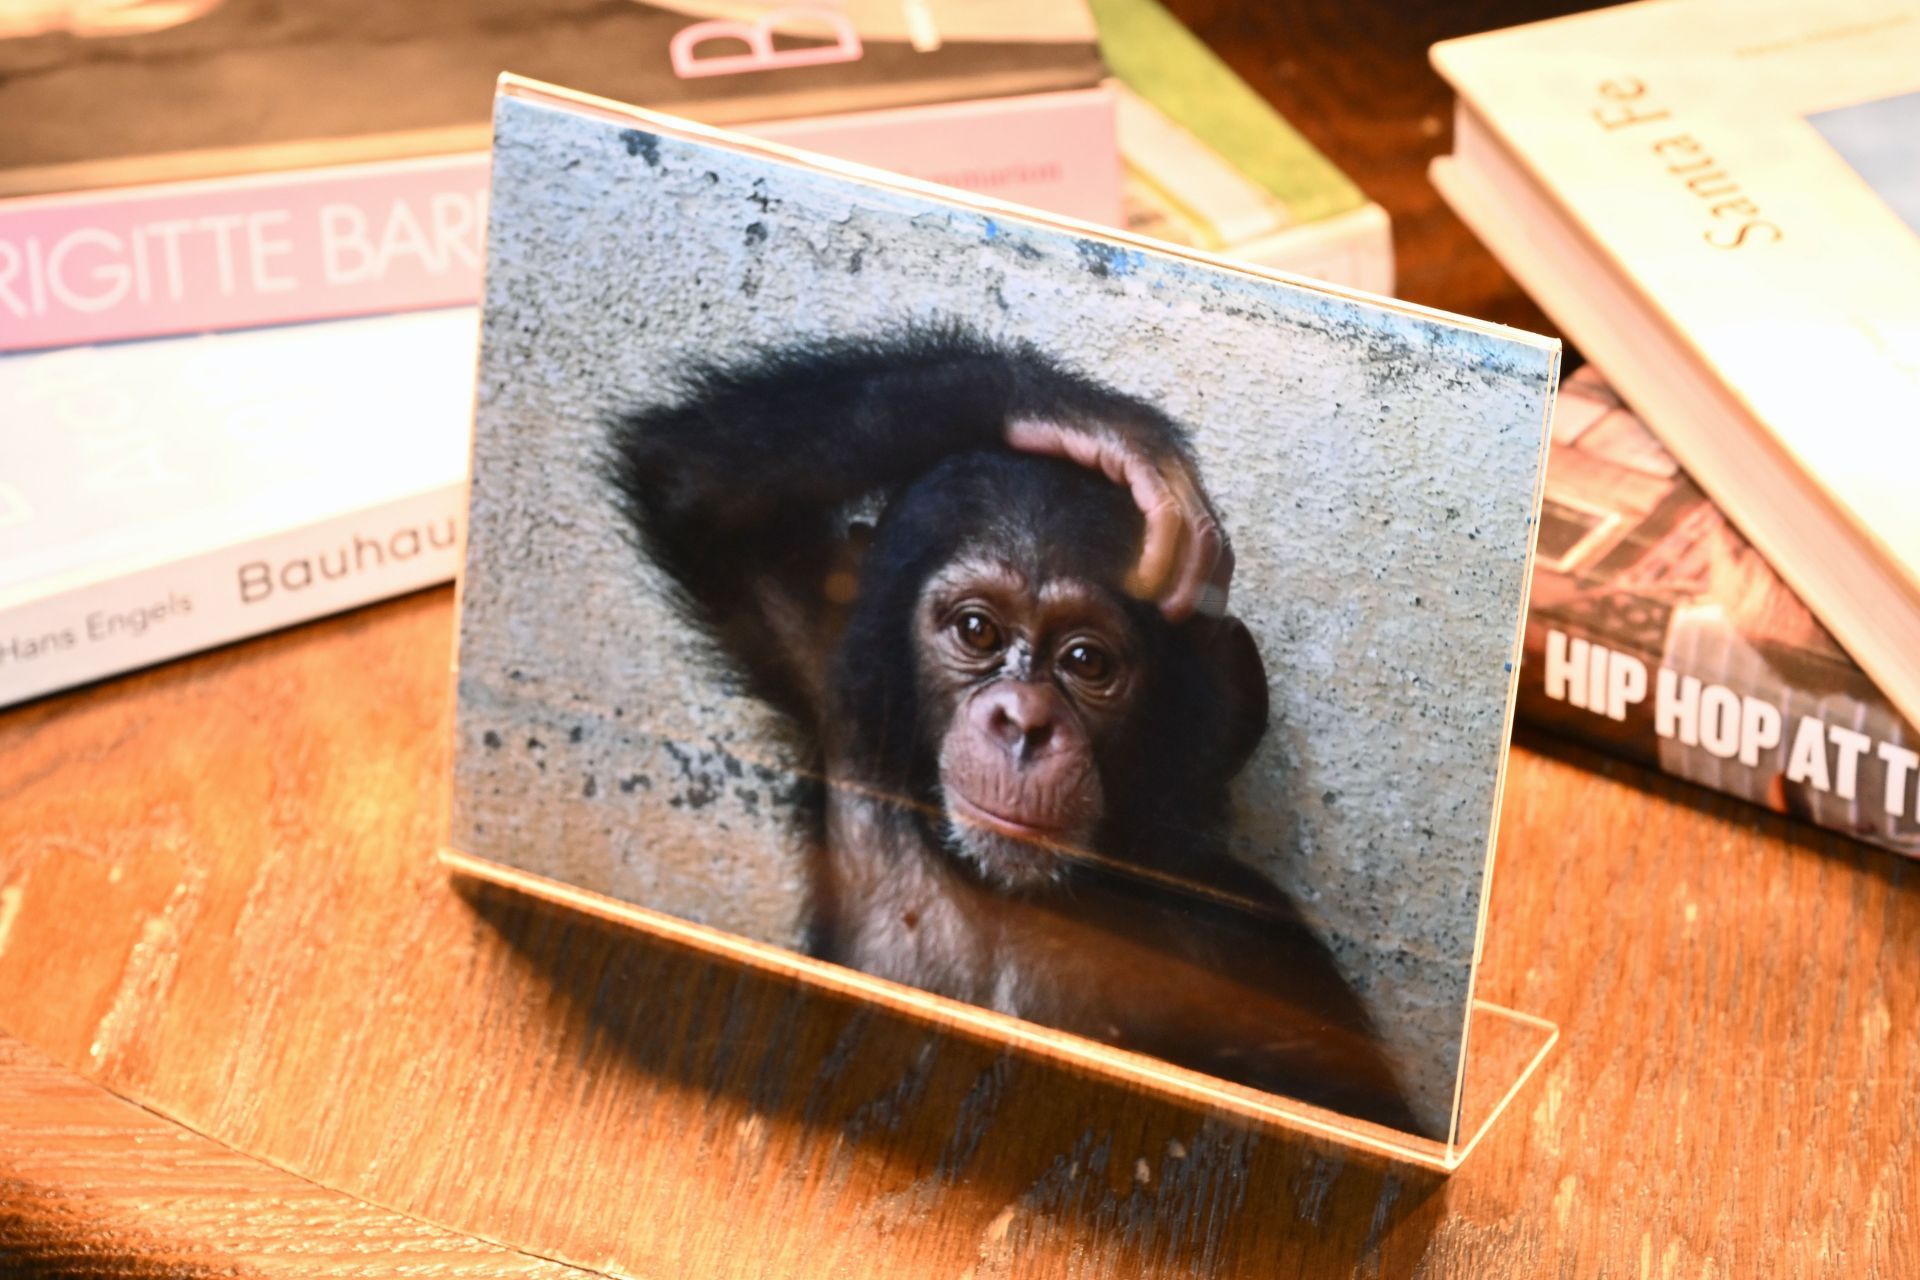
(1717, 201)
(163, 497)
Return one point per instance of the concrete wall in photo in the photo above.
(1377, 470)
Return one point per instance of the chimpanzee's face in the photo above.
(1025, 683)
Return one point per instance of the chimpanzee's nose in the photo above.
(1019, 716)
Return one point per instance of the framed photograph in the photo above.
(1063, 636)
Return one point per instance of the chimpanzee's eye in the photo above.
(977, 631)
(1087, 662)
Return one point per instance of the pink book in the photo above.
(230, 253)
(362, 239)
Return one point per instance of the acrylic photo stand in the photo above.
(1380, 466)
(1503, 1048)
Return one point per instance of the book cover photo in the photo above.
(1656, 632)
(1022, 625)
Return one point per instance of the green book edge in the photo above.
(1153, 53)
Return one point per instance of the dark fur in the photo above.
(1157, 939)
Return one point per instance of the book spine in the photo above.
(231, 253)
(1353, 248)
(1680, 690)
(405, 235)
(1054, 151)
(231, 593)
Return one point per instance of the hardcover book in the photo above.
(374, 79)
(177, 494)
(1716, 200)
(1095, 645)
(363, 126)
(1656, 632)
(1209, 163)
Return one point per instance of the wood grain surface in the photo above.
(93, 1186)
(218, 898)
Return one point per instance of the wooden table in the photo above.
(251, 1028)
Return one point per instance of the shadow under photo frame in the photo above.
(958, 1124)
(711, 686)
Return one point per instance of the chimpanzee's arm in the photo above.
(738, 488)
(733, 489)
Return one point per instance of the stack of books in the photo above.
(1210, 165)
(1718, 201)
(1006, 100)
(243, 243)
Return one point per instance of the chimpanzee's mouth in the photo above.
(1013, 855)
(974, 815)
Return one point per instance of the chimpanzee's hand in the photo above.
(1185, 561)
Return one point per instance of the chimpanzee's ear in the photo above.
(1232, 662)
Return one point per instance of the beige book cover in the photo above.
(1737, 182)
